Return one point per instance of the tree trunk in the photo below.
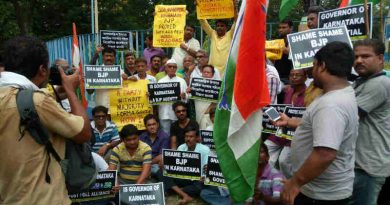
(24, 12)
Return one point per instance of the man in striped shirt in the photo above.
(105, 132)
(133, 157)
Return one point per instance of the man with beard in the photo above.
(130, 69)
(373, 144)
(178, 127)
(188, 47)
(156, 62)
(323, 147)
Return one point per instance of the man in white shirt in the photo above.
(202, 57)
(189, 47)
(166, 114)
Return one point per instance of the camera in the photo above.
(55, 77)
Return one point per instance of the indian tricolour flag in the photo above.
(244, 92)
(76, 62)
(345, 3)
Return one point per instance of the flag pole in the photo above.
(366, 18)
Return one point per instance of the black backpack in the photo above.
(78, 166)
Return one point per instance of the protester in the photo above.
(157, 139)
(268, 181)
(322, 149)
(274, 84)
(279, 148)
(163, 72)
(202, 57)
(132, 157)
(187, 189)
(29, 175)
(188, 67)
(165, 112)
(106, 134)
(130, 69)
(178, 127)
(141, 66)
(150, 50)
(188, 47)
(312, 16)
(156, 65)
(284, 65)
(373, 142)
(221, 39)
(109, 58)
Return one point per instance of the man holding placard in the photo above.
(221, 39)
(188, 47)
(166, 114)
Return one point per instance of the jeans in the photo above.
(213, 197)
(366, 188)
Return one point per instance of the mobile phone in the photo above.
(273, 114)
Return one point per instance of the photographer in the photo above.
(24, 163)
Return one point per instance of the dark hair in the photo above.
(212, 68)
(129, 53)
(375, 44)
(177, 104)
(24, 55)
(224, 21)
(150, 37)
(99, 108)
(288, 22)
(155, 56)
(139, 60)
(192, 127)
(128, 130)
(108, 50)
(149, 117)
(191, 26)
(315, 10)
(338, 58)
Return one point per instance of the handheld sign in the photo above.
(268, 127)
(305, 44)
(168, 26)
(101, 189)
(102, 77)
(274, 49)
(182, 164)
(115, 39)
(205, 89)
(214, 9)
(296, 112)
(214, 175)
(160, 93)
(129, 105)
(142, 194)
(353, 17)
(207, 138)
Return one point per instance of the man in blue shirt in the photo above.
(105, 132)
(156, 138)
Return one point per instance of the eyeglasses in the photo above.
(100, 116)
(180, 111)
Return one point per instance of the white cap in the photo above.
(171, 61)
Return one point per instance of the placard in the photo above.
(168, 26)
(101, 189)
(296, 112)
(182, 164)
(160, 93)
(214, 176)
(274, 49)
(205, 89)
(352, 16)
(207, 138)
(115, 39)
(267, 125)
(214, 9)
(305, 44)
(142, 194)
(102, 77)
(129, 105)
